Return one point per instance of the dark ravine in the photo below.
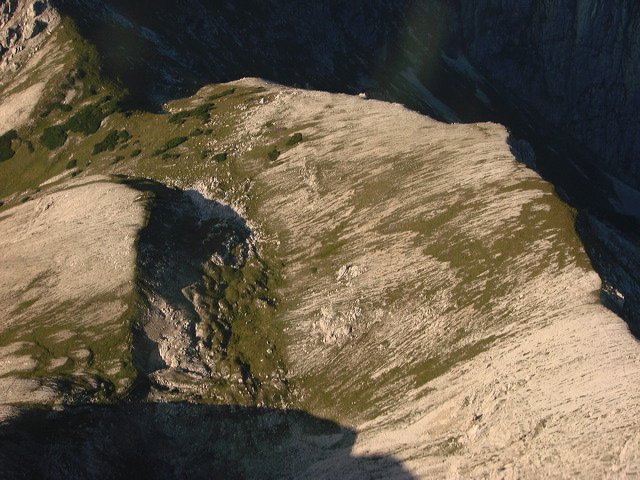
(206, 304)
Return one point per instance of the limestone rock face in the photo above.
(23, 28)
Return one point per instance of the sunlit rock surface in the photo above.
(435, 306)
(66, 286)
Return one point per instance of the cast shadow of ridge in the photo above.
(180, 440)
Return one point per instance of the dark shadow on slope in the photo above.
(167, 441)
(206, 304)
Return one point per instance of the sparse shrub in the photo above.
(124, 136)
(72, 163)
(6, 152)
(30, 146)
(216, 96)
(174, 142)
(87, 120)
(208, 131)
(220, 157)
(202, 112)
(295, 138)
(135, 153)
(273, 154)
(53, 137)
(109, 143)
(195, 133)
(179, 117)
(76, 172)
(117, 159)
(170, 156)
(11, 135)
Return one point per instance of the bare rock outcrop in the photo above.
(24, 25)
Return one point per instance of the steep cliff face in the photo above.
(575, 63)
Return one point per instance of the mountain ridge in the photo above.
(386, 294)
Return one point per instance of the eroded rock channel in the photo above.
(206, 304)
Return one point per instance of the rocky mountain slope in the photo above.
(259, 281)
(560, 77)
